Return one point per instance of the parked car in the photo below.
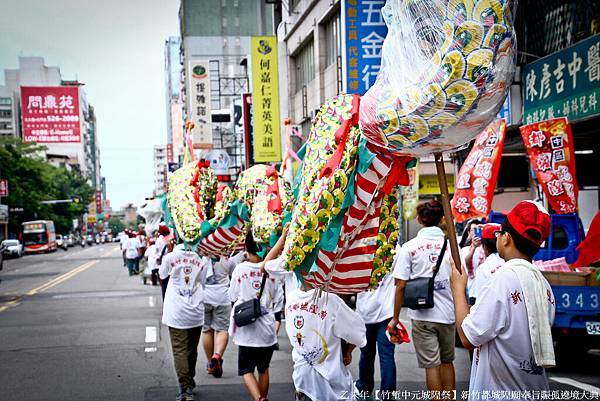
(12, 247)
(60, 242)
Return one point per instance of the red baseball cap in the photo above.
(163, 229)
(529, 217)
(489, 230)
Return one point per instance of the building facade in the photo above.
(83, 156)
(219, 33)
(173, 95)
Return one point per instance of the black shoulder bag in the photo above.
(418, 293)
(248, 311)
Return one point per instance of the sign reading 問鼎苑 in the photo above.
(364, 32)
(265, 96)
(563, 84)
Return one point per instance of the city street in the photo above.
(74, 326)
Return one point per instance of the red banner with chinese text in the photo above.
(476, 181)
(551, 153)
(50, 114)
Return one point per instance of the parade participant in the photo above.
(256, 340)
(133, 253)
(151, 256)
(163, 274)
(122, 240)
(432, 329)
(471, 250)
(183, 313)
(491, 263)
(278, 307)
(376, 309)
(510, 324)
(217, 311)
(317, 326)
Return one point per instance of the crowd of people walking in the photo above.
(498, 304)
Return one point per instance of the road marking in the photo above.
(151, 334)
(152, 301)
(575, 383)
(55, 281)
(150, 349)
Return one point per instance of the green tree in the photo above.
(116, 225)
(32, 180)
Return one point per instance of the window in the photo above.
(5, 101)
(5, 125)
(333, 42)
(5, 113)
(305, 65)
(294, 4)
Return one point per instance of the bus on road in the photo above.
(39, 236)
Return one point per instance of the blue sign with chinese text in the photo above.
(364, 31)
(563, 84)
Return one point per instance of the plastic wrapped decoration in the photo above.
(328, 164)
(153, 214)
(192, 190)
(446, 68)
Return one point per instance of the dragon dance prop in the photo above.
(446, 68)
(258, 202)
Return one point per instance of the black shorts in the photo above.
(250, 358)
(278, 316)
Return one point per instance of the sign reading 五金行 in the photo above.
(265, 99)
(199, 103)
(50, 114)
(563, 84)
(474, 188)
(551, 154)
(365, 31)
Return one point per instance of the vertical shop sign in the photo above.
(364, 33)
(199, 100)
(265, 96)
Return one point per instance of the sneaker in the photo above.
(217, 363)
(361, 394)
(188, 395)
(210, 367)
(180, 397)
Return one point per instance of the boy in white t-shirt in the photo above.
(510, 324)
(317, 323)
(183, 313)
(255, 341)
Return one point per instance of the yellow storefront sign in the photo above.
(429, 185)
(265, 99)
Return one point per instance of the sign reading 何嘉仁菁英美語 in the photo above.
(563, 84)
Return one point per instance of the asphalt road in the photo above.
(75, 326)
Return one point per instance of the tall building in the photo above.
(160, 169)
(216, 34)
(174, 103)
(80, 151)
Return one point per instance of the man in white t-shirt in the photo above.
(123, 236)
(255, 341)
(217, 312)
(491, 263)
(323, 331)
(376, 309)
(433, 329)
(510, 324)
(183, 313)
(133, 251)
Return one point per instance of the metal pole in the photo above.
(441, 173)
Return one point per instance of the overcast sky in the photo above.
(115, 47)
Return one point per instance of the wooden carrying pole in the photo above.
(441, 173)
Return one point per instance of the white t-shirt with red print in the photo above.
(498, 327)
(485, 270)
(417, 258)
(245, 285)
(315, 327)
(183, 307)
